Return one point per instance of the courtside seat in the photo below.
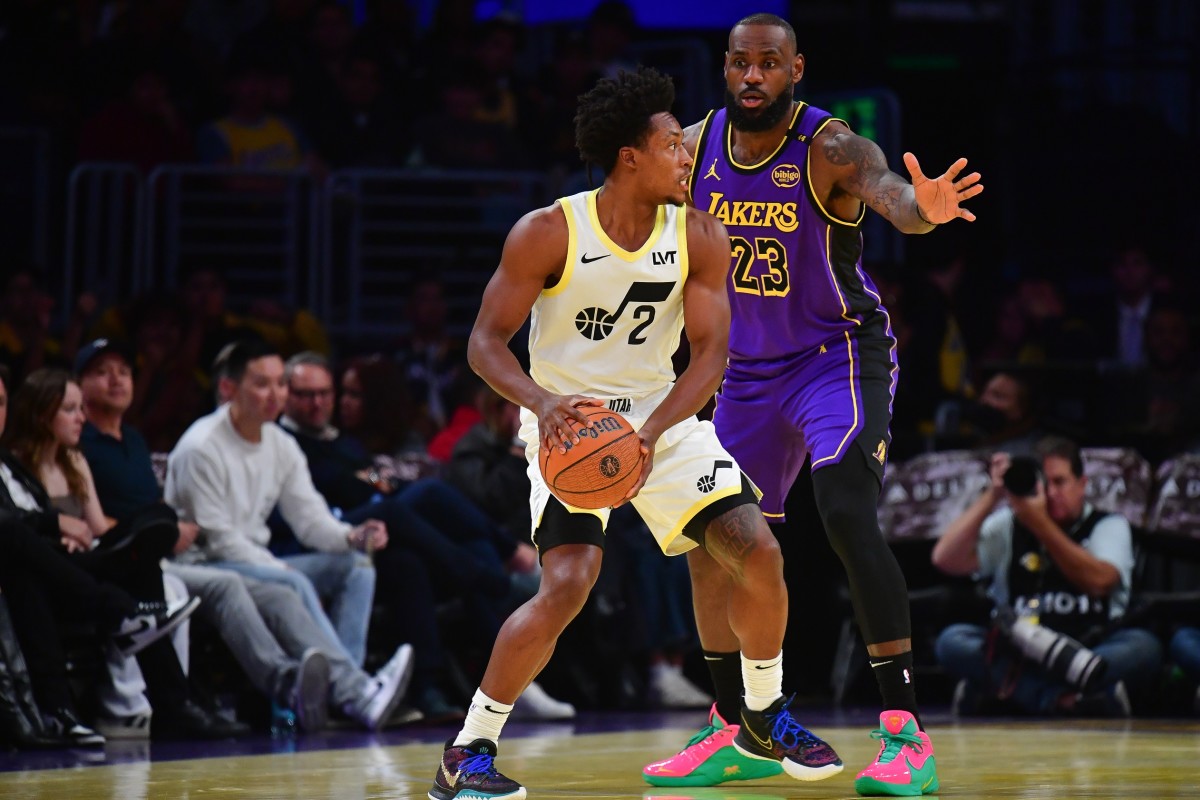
(1166, 581)
(1120, 481)
(925, 494)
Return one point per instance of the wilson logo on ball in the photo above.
(601, 468)
(610, 466)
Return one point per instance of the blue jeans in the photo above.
(1133, 655)
(346, 579)
(1185, 651)
(661, 586)
(452, 536)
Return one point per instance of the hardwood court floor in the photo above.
(1051, 760)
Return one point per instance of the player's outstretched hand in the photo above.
(940, 199)
(553, 414)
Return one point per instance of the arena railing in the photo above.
(104, 241)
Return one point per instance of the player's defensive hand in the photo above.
(553, 414)
(939, 199)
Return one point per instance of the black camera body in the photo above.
(1022, 476)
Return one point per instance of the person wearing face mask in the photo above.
(1005, 416)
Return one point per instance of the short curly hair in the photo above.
(616, 113)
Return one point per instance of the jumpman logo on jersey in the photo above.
(712, 170)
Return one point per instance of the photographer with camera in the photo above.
(1059, 574)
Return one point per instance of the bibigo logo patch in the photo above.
(786, 176)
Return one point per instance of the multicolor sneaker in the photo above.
(774, 734)
(709, 758)
(469, 771)
(905, 766)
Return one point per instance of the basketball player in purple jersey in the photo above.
(812, 367)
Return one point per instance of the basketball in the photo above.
(601, 469)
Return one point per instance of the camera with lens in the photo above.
(1022, 476)
(1058, 654)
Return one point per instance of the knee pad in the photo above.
(847, 495)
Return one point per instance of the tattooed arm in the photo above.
(848, 169)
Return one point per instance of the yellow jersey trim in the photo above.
(779, 516)
(853, 400)
(537, 523)
(862, 212)
(782, 142)
(572, 240)
(696, 508)
(681, 241)
(696, 157)
(620, 252)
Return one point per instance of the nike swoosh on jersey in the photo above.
(587, 260)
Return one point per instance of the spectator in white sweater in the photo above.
(233, 466)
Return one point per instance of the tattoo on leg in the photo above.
(731, 538)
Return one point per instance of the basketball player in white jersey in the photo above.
(611, 277)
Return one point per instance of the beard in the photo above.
(762, 119)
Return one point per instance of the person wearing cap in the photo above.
(46, 423)
(285, 653)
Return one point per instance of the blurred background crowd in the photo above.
(331, 181)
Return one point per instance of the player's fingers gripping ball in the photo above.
(601, 469)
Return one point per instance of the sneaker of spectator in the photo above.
(405, 715)
(535, 704)
(135, 727)
(436, 708)
(153, 621)
(671, 689)
(306, 690)
(384, 691)
(1111, 701)
(190, 720)
(965, 700)
(63, 724)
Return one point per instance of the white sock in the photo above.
(762, 681)
(485, 719)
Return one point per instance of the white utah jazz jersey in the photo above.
(608, 328)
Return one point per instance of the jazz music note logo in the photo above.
(707, 483)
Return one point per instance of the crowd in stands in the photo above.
(182, 480)
(296, 84)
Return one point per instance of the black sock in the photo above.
(726, 672)
(894, 674)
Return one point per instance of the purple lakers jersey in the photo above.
(796, 278)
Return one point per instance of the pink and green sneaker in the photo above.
(709, 758)
(905, 766)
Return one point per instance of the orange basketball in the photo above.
(601, 469)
